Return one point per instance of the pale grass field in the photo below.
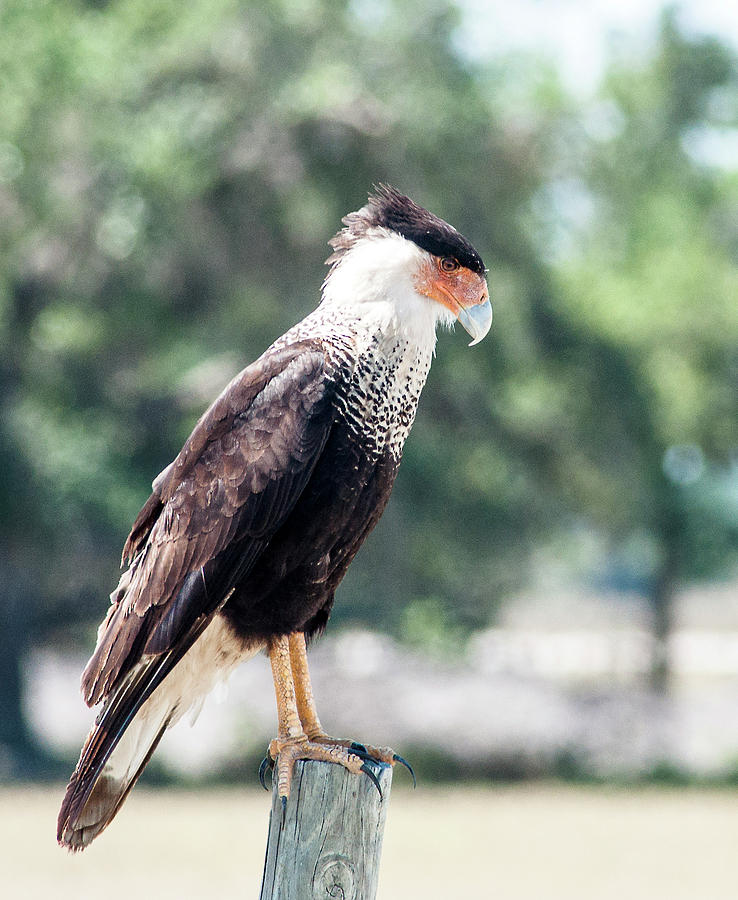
(503, 843)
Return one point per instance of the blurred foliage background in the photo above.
(169, 176)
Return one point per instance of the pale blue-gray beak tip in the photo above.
(476, 320)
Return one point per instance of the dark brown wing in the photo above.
(214, 509)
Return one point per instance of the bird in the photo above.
(248, 532)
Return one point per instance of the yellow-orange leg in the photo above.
(309, 715)
(291, 742)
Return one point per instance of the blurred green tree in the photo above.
(169, 176)
(648, 289)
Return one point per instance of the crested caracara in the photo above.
(249, 531)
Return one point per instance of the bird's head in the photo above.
(394, 253)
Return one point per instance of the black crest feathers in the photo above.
(389, 209)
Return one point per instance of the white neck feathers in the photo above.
(374, 282)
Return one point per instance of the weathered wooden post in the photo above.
(329, 841)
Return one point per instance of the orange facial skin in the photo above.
(447, 282)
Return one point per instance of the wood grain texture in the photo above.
(330, 842)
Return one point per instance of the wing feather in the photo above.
(215, 508)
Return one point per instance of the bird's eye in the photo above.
(449, 264)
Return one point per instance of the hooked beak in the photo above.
(476, 320)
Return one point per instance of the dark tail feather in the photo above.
(120, 744)
(135, 717)
(86, 813)
(113, 756)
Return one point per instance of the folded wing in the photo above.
(211, 514)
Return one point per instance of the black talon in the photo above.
(367, 771)
(361, 751)
(404, 762)
(266, 763)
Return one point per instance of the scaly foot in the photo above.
(372, 754)
(283, 754)
(355, 757)
(299, 732)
